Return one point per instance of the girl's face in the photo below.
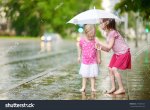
(103, 24)
(91, 34)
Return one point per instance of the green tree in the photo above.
(33, 17)
(96, 3)
(140, 6)
(136, 9)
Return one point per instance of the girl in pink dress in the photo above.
(121, 58)
(89, 57)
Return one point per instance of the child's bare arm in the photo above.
(107, 47)
(98, 52)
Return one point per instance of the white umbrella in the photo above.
(91, 17)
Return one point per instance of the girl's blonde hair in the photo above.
(88, 28)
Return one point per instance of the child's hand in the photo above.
(79, 59)
(97, 46)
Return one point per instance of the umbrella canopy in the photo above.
(91, 17)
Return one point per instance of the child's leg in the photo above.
(112, 77)
(83, 84)
(83, 96)
(93, 84)
(119, 80)
(93, 95)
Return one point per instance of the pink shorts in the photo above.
(122, 61)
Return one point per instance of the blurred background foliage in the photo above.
(140, 6)
(34, 17)
(135, 9)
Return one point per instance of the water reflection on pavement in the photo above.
(49, 71)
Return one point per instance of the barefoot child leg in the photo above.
(83, 84)
(93, 84)
(119, 80)
(112, 78)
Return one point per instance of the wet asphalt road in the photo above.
(34, 70)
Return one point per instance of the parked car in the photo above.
(50, 37)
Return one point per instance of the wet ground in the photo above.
(35, 70)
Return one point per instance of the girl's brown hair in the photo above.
(111, 24)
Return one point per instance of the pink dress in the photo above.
(88, 51)
(120, 46)
(122, 57)
(89, 67)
